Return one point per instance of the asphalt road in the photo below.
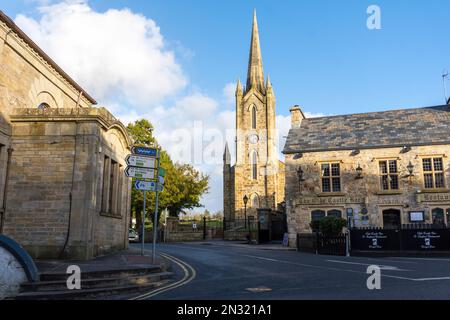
(226, 272)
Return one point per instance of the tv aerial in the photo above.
(445, 77)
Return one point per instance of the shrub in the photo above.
(329, 226)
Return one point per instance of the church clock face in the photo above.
(253, 138)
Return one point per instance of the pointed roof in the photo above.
(226, 155)
(255, 75)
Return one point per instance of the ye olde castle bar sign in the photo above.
(330, 200)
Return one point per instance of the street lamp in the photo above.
(300, 174)
(245, 209)
(359, 171)
(410, 168)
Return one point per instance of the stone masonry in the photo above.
(257, 173)
(63, 193)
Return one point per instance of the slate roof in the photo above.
(396, 128)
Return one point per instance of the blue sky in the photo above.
(319, 54)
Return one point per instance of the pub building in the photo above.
(384, 169)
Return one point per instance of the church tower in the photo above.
(258, 174)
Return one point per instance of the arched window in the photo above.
(317, 215)
(254, 117)
(255, 201)
(335, 213)
(254, 162)
(43, 106)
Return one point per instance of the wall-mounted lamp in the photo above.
(298, 156)
(355, 152)
(359, 172)
(300, 174)
(410, 168)
(405, 149)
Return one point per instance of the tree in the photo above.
(183, 187)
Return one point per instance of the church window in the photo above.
(253, 117)
(389, 175)
(331, 177)
(254, 162)
(433, 173)
(255, 201)
(43, 106)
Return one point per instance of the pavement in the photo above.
(234, 271)
(123, 260)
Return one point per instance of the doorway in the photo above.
(391, 219)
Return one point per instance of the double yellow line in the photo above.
(189, 275)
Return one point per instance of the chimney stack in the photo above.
(296, 116)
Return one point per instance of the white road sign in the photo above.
(140, 173)
(141, 161)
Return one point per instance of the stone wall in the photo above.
(365, 193)
(56, 191)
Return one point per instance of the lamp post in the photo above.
(245, 209)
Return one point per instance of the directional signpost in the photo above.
(144, 164)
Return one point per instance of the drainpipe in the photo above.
(8, 165)
(70, 194)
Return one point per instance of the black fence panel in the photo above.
(426, 240)
(375, 239)
(331, 245)
(407, 239)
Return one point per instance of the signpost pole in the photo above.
(143, 224)
(155, 220)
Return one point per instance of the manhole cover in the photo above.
(259, 289)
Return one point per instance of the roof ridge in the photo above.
(377, 112)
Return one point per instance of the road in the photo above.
(221, 270)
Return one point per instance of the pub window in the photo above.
(389, 175)
(433, 173)
(438, 216)
(334, 213)
(253, 117)
(331, 177)
(317, 215)
(106, 168)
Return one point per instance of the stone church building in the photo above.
(63, 192)
(258, 174)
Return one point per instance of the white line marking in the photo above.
(382, 267)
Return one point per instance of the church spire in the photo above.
(255, 75)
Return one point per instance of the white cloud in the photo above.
(115, 55)
(123, 60)
(229, 93)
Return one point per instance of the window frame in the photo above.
(388, 175)
(253, 117)
(254, 164)
(331, 176)
(433, 172)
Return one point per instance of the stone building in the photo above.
(383, 169)
(257, 174)
(62, 188)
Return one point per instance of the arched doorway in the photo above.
(392, 219)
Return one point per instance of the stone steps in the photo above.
(95, 284)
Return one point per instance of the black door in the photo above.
(391, 219)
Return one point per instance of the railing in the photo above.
(322, 244)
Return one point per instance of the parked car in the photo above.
(133, 236)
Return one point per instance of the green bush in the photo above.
(330, 226)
